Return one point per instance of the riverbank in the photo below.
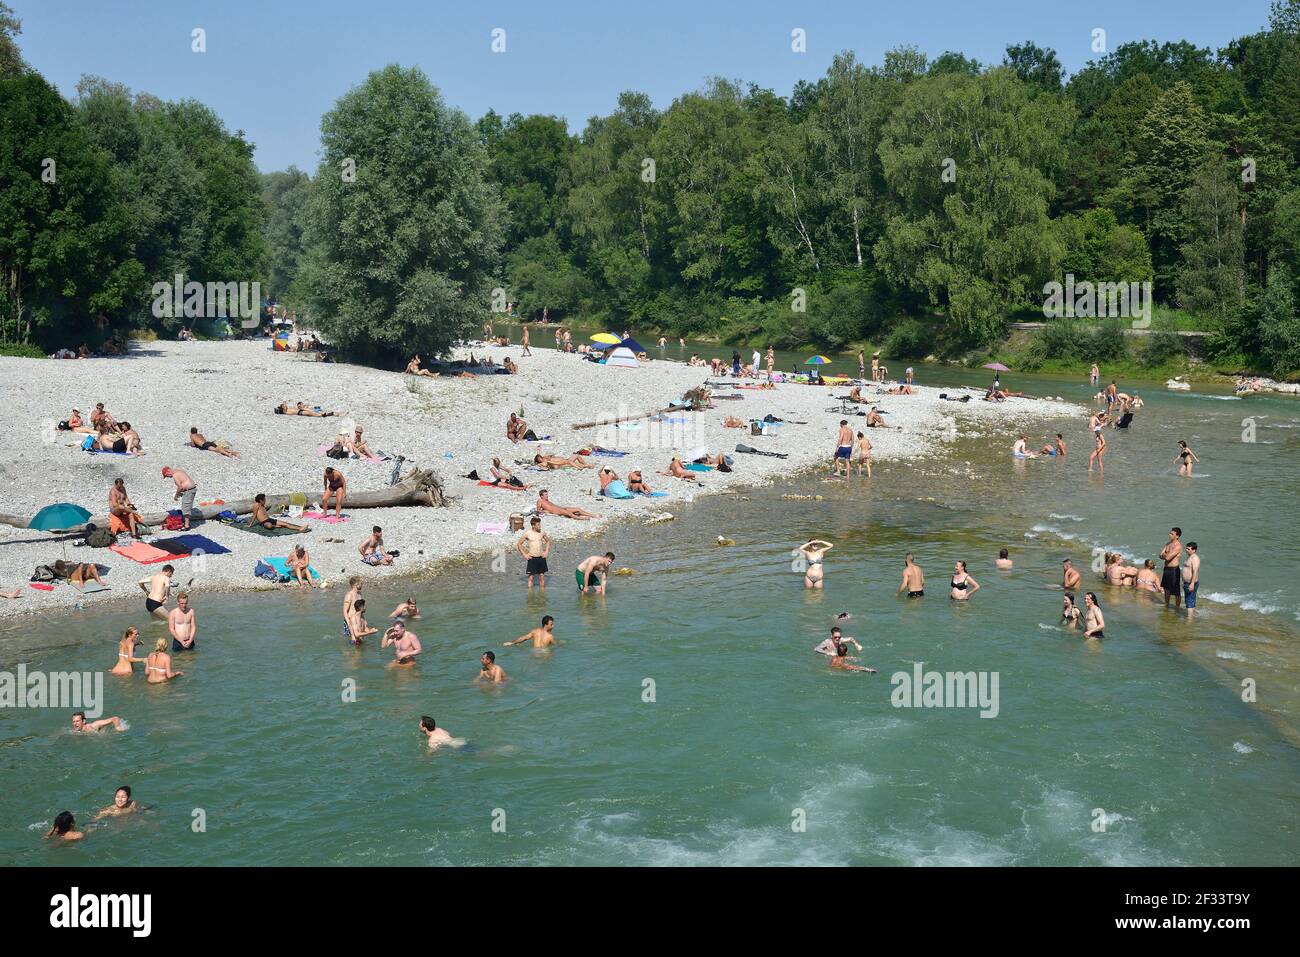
(453, 425)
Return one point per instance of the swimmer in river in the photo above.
(814, 553)
(355, 629)
(182, 625)
(122, 804)
(407, 609)
(1117, 573)
(82, 726)
(158, 666)
(593, 573)
(963, 586)
(65, 827)
(490, 671)
(1003, 560)
(406, 644)
(840, 661)
(1147, 579)
(1069, 612)
(1093, 622)
(126, 660)
(435, 735)
(542, 637)
(1185, 458)
(836, 640)
(913, 578)
(1070, 578)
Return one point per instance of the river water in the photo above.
(684, 718)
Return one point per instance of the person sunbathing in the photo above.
(855, 395)
(547, 507)
(718, 461)
(413, 368)
(109, 441)
(677, 470)
(559, 462)
(636, 483)
(198, 440)
(503, 476)
(122, 515)
(901, 389)
(517, 430)
(78, 573)
(301, 408)
(262, 517)
(77, 424)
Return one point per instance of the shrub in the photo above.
(23, 350)
(909, 339)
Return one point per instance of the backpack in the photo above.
(43, 573)
(100, 538)
(173, 523)
(263, 570)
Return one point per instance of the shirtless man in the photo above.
(1093, 623)
(1057, 448)
(1070, 577)
(1003, 560)
(547, 507)
(677, 470)
(1019, 450)
(200, 442)
(843, 449)
(864, 454)
(82, 726)
(560, 462)
(490, 670)
(186, 487)
(122, 804)
(435, 735)
(913, 578)
(837, 638)
(355, 627)
(1191, 578)
(121, 508)
(1171, 576)
(1096, 421)
(262, 517)
(516, 428)
(182, 625)
(855, 395)
(372, 549)
(524, 342)
(100, 416)
(875, 420)
(534, 546)
(156, 588)
(413, 367)
(593, 573)
(542, 637)
(406, 644)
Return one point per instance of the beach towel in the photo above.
(191, 544)
(491, 528)
(696, 467)
(41, 585)
(281, 566)
(144, 553)
(89, 588)
(653, 494)
(259, 530)
(616, 489)
(326, 517)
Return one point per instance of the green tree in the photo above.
(405, 228)
(285, 195)
(1279, 322)
(11, 58)
(1212, 278)
(1036, 66)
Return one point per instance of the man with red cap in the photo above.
(185, 489)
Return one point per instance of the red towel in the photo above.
(144, 553)
(42, 586)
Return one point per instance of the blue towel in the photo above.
(616, 489)
(196, 542)
(281, 566)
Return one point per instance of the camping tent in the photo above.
(621, 357)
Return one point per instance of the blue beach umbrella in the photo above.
(54, 517)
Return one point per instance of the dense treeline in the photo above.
(922, 203)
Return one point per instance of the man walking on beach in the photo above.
(535, 546)
(185, 489)
(1191, 578)
(843, 448)
(524, 343)
(1171, 577)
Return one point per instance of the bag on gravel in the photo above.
(100, 538)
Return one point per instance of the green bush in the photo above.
(909, 339)
(23, 350)
(1164, 345)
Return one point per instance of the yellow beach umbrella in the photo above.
(606, 337)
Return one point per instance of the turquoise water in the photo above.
(749, 731)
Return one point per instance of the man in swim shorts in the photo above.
(913, 578)
(181, 624)
(186, 487)
(593, 573)
(843, 449)
(156, 588)
(534, 546)
(1171, 577)
(1191, 578)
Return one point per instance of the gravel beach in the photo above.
(451, 425)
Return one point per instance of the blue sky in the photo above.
(273, 67)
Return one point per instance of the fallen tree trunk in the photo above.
(421, 487)
(630, 418)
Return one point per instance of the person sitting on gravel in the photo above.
(605, 476)
(517, 430)
(546, 507)
(510, 365)
(131, 436)
(199, 442)
(357, 445)
(301, 408)
(99, 416)
(559, 462)
(503, 476)
(262, 517)
(636, 483)
(77, 424)
(876, 421)
(78, 573)
(372, 549)
(855, 395)
(414, 368)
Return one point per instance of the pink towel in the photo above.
(491, 528)
(325, 517)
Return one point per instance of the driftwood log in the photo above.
(421, 487)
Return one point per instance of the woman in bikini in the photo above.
(126, 659)
(158, 666)
(1185, 458)
(963, 586)
(814, 553)
(336, 487)
(1147, 579)
(77, 424)
(635, 483)
(1069, 612)
(1093, 623)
